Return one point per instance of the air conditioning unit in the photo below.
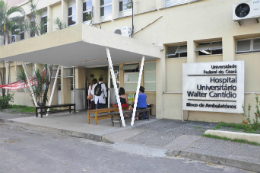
(124, 31)
(15, 38)
(246, 9)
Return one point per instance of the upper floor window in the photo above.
(105, 7)
(169, 3)
(249, 45)
(87, 10)
(176, 51)
(125, 5)
(211, 48)
(44, 25)
(22, 33)
(32, 32)
(72, 15)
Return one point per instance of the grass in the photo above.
(232, 140)
(236, 127)
(23, 109)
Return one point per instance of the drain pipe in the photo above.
(132, 18)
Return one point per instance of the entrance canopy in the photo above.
(79, 45)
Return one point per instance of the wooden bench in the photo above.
(97, 111)
(43, 109)
(128, 112)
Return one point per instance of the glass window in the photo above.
(212, 48)
(176, 51)
(150, 76)
(243, 46)
(256, 45)
(105, 7)
(44, 24)
(32, 33)
(22, 32)
(87, 11)
(72, 15)
(125, 5)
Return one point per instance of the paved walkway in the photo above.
(185, 140)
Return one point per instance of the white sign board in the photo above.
(213, 86)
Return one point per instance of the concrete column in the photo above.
(79, 78)
(160, 85)
(115, 9)
(50, 19)
(38, 23)
(64, 9)
(96, 11)
(191, 46)
(228, 47)
(135, 4)
(27, 33)
(65, 86)
(121, 75)
(79, 11)
(160, 4)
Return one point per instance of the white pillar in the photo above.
(64, 9)
(115, 86)
(50, 19)
(96, 11)
(79, 11)
(137, 90)
(109, 88)
(53, 88)
(115, 9)
(27, 32)
(29, 83)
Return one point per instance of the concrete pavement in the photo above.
(28, 150)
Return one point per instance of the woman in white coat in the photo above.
(91, 91)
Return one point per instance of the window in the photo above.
(169, 3)
(212, 48)
(125, 8)
(176, 51)
(44, 25)
(105, 7)
(22, 33)
(87, 10)
(130, 81)
(246, 46)
(150, 76)
(72, 15)
(32, 33)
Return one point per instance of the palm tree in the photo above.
(9, 25)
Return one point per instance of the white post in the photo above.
(29, 83)
(53, 88)
(115, 86)
(109, 87)
(137, 90)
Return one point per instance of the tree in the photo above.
(9, 25)
(42, 80)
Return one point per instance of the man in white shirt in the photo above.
(100, 101)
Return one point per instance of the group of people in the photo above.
(97, 94)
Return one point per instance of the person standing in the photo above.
(91, 96)
(100, 94)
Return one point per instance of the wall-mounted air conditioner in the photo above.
(15, 38)
(246, 9)
(124, 31)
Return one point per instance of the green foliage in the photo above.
(5, 101)
(21, 76)
(60, 24)
(248, 125)
(232, 140)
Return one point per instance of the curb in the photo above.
(215, 159)
(89, 136)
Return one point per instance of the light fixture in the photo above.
(206, 52)
(93, 60)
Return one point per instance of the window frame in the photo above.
(179, 54)
(72, 15)
(251, 46)
(45, 24)
(209, 49)
(87, 11)
(103, 6)
(150, 72)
